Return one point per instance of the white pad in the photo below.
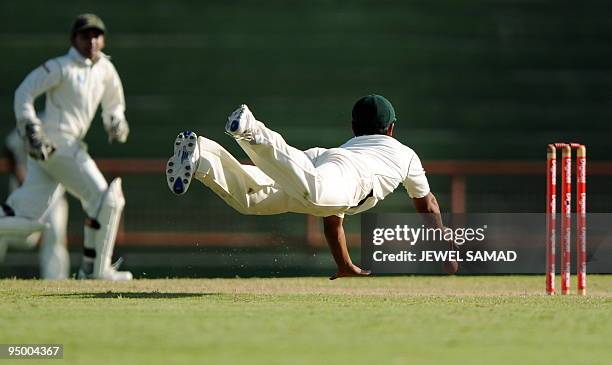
(103, 238)
(53, 254)
(19, 226)
(20, 242)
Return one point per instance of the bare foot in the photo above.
(350, 271)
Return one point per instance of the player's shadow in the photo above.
(129, 295)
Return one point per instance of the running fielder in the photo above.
(53, 254)
(74, 85)
(323, 182)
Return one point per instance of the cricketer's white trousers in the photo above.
(71, 168)
(53, 253)
(284, 178)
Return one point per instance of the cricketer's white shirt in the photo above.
(380, 163)
(74, 86)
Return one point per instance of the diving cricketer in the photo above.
(329, 183)
(75, 85)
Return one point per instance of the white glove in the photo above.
(118, 130)
(38, 145)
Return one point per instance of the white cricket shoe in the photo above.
(241, 124)
(184, 163)
(111, 273)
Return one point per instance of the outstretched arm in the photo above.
(428, 205)
(336, 240)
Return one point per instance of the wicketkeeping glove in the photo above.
(118, 130)
(37, 143)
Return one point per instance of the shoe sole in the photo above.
(233, 124)
(180, 169)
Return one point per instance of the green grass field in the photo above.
(383, 320)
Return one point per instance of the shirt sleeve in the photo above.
(314, 153)
(113, 100)
(43, 78)
(416, 183)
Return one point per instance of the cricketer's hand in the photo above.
(118, 130)
(38, 145)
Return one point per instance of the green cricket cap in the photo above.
(373, 111)
(86, 22)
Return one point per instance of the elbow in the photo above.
(21, 93)
(427, 204)
(17, 99)
(21, 99)
(432, 205)
(433, 210)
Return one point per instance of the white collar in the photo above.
(82, 60)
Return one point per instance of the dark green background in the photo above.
(469, 80)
